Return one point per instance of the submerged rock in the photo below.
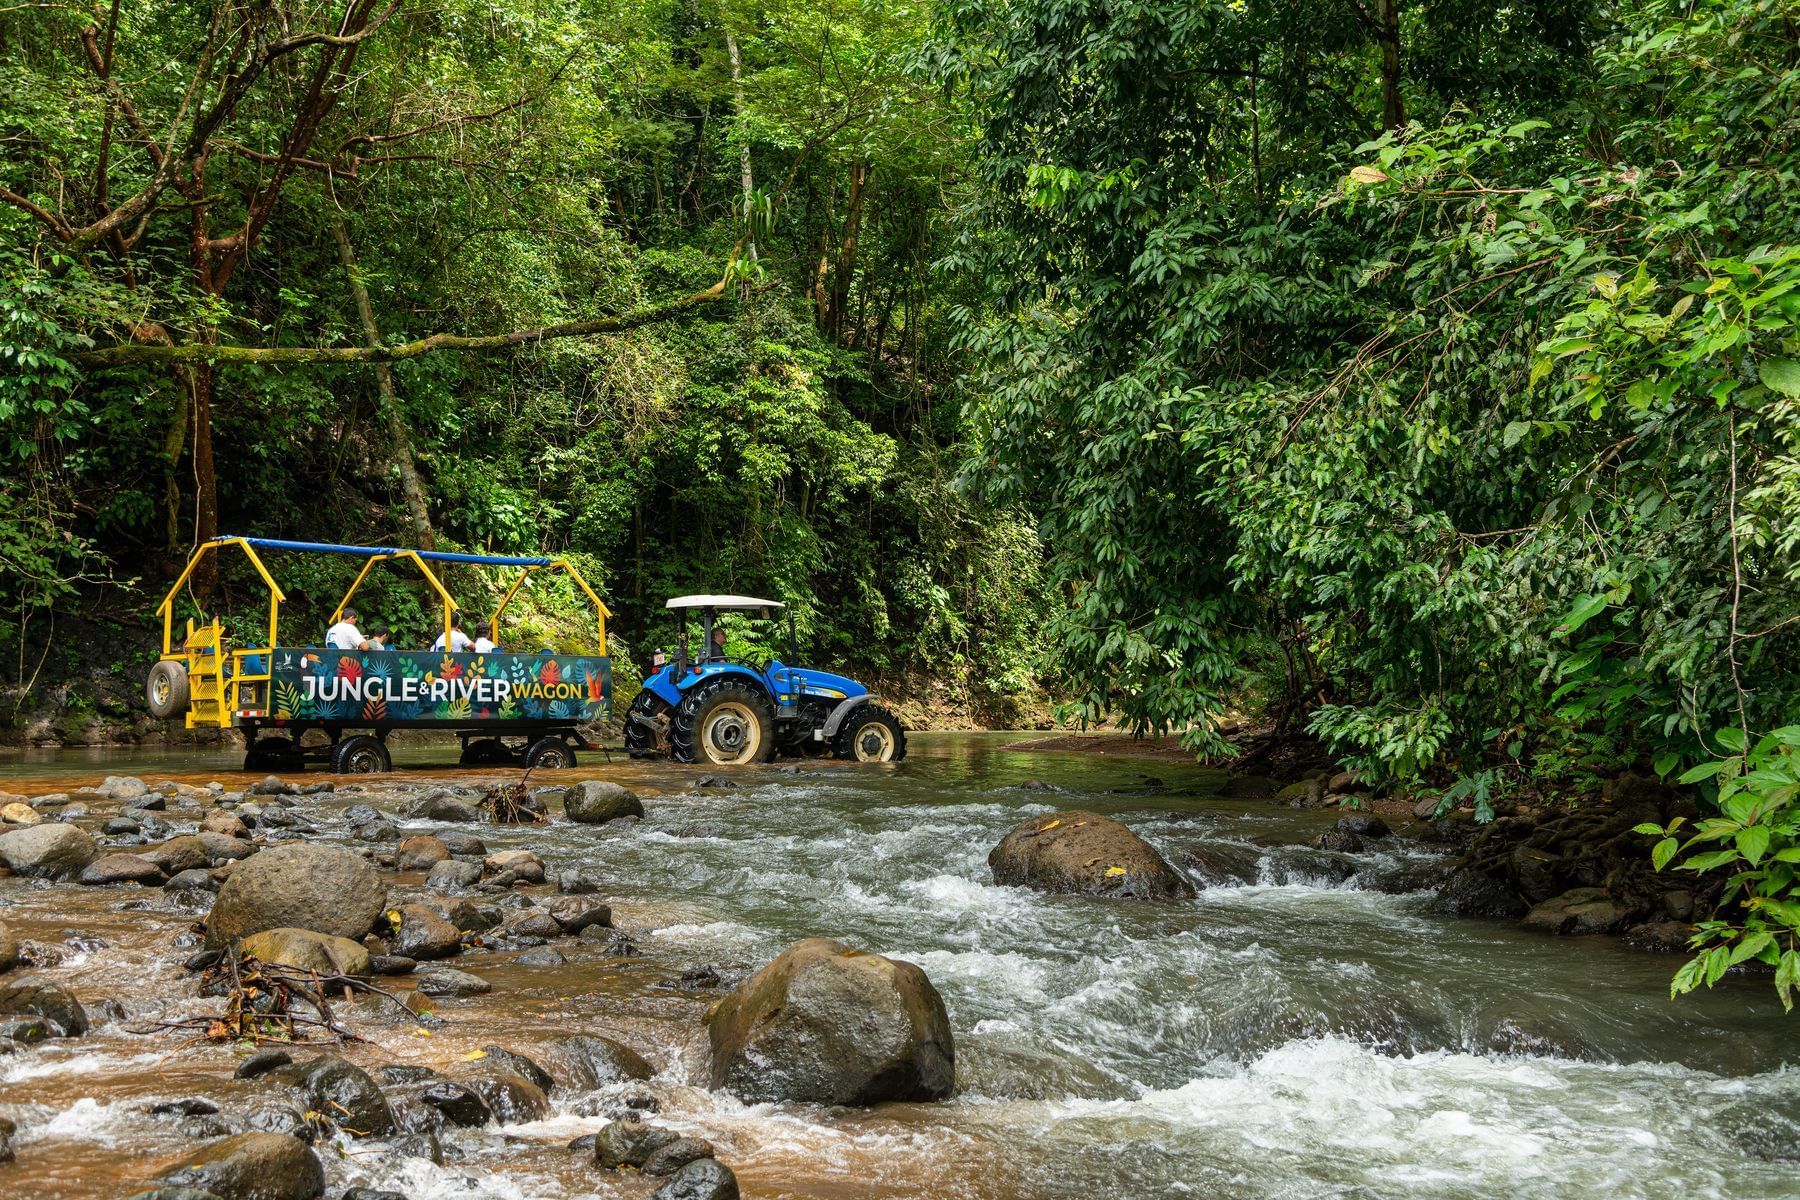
(47, 1001)
(831, 1025)
(48, 851)
(323, 888)
(251, 1166)
(453, 875)
(1084, 852)
(511, 1097)
(596, 802)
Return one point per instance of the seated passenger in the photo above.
(484, 642)
(345, 635)
(718, 643)
(458, 641)
(381, 638)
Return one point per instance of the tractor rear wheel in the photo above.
(871, 734)
(725, 725)
(641, 721)
(166, 691)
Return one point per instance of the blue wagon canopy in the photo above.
(492, 560)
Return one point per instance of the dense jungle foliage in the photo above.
(260, 174)
(1422, 373)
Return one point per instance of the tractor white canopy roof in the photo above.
(723, 602)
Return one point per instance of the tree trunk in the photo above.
(745, 178)
(206, 484)
(1393, 108)
(414, 490)
(174, 441)
(846, 263)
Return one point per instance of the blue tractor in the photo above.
(731, 712)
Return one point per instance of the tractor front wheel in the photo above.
(726, 725)
(641, 724)
(871, 734)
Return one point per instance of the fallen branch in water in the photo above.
(260, 999)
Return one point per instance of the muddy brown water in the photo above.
(1302, 1035)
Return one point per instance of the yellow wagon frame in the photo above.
(216, 694)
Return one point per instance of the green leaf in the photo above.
(1751, 946)
(1706, 862)
(1703, 771)
(1586, 608)
(1780, 375)
(1662, 852)
(1753, 843)
(1731, 737)
(1665, 762)
(1649, 828)
(1515, 431)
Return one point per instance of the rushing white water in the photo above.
(1301, 1035)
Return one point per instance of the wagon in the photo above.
(504, 707)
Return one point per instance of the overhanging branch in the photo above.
(283, 356)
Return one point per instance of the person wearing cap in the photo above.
(345, 635)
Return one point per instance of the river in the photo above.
(1304, 1035)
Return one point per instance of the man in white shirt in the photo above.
(484, 642)
(459, 641)
(345, 635)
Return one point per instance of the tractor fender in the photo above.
(843, 709)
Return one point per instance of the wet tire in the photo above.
(871, 734)
(273, 754)
(550, 753)
(640, 735)
(483, 752)
(726, 724)
(166, 689)
(361, 755)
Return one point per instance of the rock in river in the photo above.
(323, 888)
(831, 1025)
(340, 1090)
(309, 951)
(702, 1179)
(596, 802)
(49, 1002)
(48, 851)
(420, 853)
(1087, 853)
(443, 982)
(1580, 911)
(421, 934)
(251, 1166)
(122, 868)
(585, 1061)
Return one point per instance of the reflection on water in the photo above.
(1301, 1035)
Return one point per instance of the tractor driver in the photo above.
(717, 645)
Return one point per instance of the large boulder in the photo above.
(420, 853)
(1580, 911)
(832, 1025)
(326, 889)
(50, 1003)
(340, 1090)
(512, 1098)
(48, 851)
(1086, 853)
(595, 802)
(308, 951)
(9, 948)
(250, 1166)
(1472, 893)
